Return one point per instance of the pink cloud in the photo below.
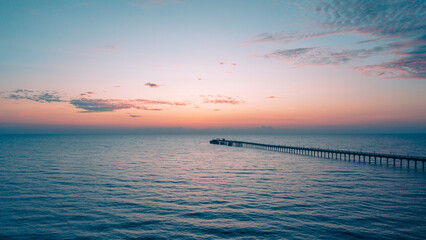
(87, 94)
(156, 102)
(224, 63)
(222, 100)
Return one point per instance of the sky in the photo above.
(202, 64)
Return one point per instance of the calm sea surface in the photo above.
(181, 187)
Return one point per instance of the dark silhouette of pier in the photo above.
(330, 153)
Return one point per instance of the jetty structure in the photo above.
(330, 153)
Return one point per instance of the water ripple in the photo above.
(149, 187)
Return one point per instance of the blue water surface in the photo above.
(181, 187)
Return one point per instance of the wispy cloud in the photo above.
(110, 105)
(224, 63)
(101, 105)
(157, 102)
(152, 85)
(272, 97)
(218, 99)
(134, 116)
(384, 21)
(380, 18)
(412, 67)
(22, 91)
(37, 96)
(90, 105)
(288, 37)
(325, 55)
(87, 94)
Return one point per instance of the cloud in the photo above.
(412, 67)
(87, 94)
(43, 97)
(157, 102)
(22, 91)
(325, 55)
(290, 53)
(110, 105)
(134, 116)
(400, 22)
(224, 63)
(152, 85)
(221, 100)
(380, 18)
(90, 105)
(117, 86)
(272, 97)
(101, 105)
(288, 37)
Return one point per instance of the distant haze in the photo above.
(49, 129)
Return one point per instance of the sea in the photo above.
(182, 187)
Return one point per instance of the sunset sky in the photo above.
(213, 64)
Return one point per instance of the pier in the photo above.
(332, 154)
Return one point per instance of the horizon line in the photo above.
(261, 130)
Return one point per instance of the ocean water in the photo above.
(182, 187)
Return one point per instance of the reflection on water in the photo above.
(171, 187)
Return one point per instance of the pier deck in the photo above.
(330, 153)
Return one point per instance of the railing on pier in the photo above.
(329, 153)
